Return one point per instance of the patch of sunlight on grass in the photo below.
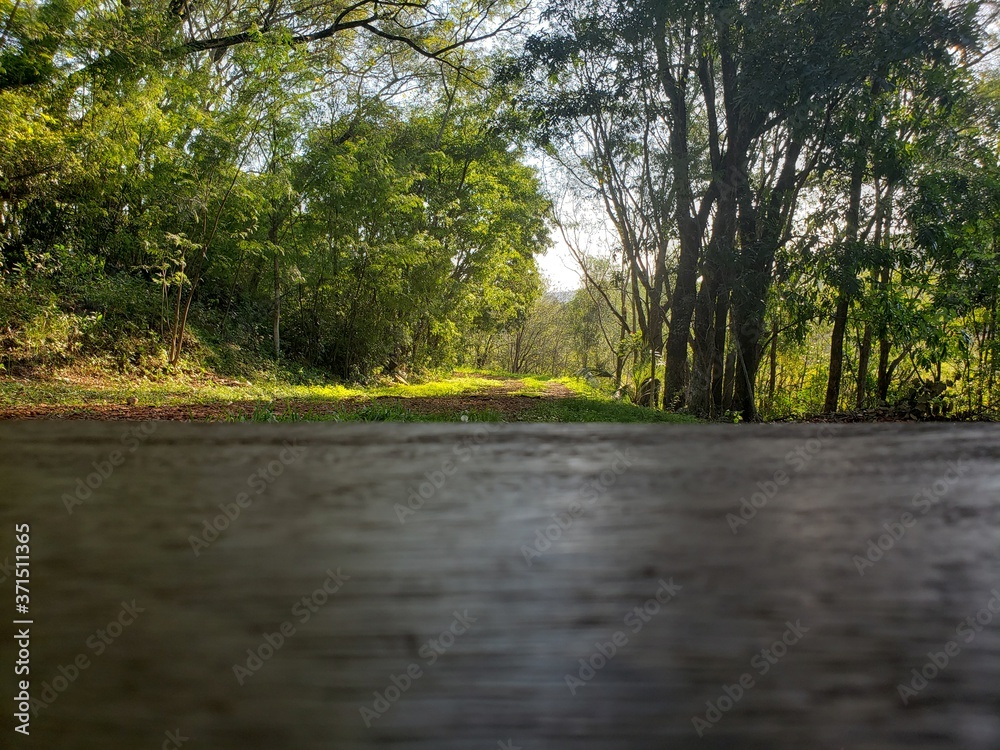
(174, 390)
(436, 388)
(534, 385)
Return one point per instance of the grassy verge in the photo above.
(581, 409)
(461, 396)
(88, 391)
(93, 390)
(373, 412)
(561, 410)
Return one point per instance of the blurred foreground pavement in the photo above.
(470, 586)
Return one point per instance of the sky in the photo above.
(583, 219)
(559, 267)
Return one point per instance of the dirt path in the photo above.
(504, 397)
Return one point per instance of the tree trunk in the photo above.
(681, 311)
(689, 224)
(882, 385)
(843, 298)
(748, 312)
(703, 344)
(836, 353)
(864, 357)
(727, 389)
(655, 344)
(719, 363)
(762, 230)
(707, 363)
(772, 381)
(277, 306)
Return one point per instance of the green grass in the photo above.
(446, 386)
(343, 403)
(582, 409)
(581, 387)
(16, 392)
(188, 390)
(550, 410)
(373, 412)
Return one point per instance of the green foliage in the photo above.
(151, 205)
(589, 410)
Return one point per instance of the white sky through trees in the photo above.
(559, 268)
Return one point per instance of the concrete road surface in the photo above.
(473, 587)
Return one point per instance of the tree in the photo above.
(742, 138)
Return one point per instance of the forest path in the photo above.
(493, 395)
